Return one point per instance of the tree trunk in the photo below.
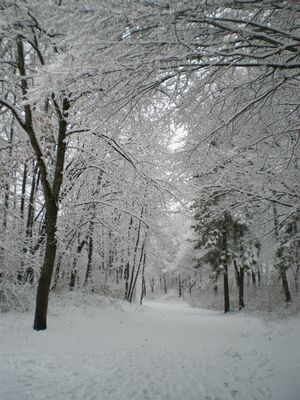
(51, 200)
(179, 286)
(240, 274)
(23, 191)
(237, 274)
(285, 285)
(73, 277)
(88, 275)
(165, 284)
(5, 206)
(241, 288)
(253, 278)
(6, 195)
(130, 290)
(280, 258)
(117, 275)
(143, 293)
(127, 265)
(226, 290)
(29, 273)
(258, 274)
(133, 286)
(40, 319)
(126, 277)
(20, 273)
(225, 266)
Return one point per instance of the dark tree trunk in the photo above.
(240, 274)
(216, 277)
(280, 259)
(179, 286)
(241, 288)
(126, 277)
(253, 278)
(225, 272)
(6, 203)
(20, 274)
(23, 191)
(117, 275)
(73, 278)
(127, 265)
(237, 274)
(88, 275)
(285, 285)
(42, 234)
(226, 290)
(143, 292)
(258, 274)
(6, 195)
(130, 289)
(29, 273)
(51, 200)
(165, 284)
(40, 319)
(30, 213)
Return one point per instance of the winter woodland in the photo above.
(147, 147)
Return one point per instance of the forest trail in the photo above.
(161, 351)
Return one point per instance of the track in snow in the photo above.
(163, 351)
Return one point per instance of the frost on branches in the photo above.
(115, 115)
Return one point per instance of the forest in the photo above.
(147, 147)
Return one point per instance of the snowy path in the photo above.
(163, 351)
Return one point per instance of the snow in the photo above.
(163, 350)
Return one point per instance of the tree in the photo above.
(28, 39)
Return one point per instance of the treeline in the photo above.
(93, 99)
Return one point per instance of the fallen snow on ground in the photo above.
(162, 351)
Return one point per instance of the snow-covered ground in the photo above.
(164, 350)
